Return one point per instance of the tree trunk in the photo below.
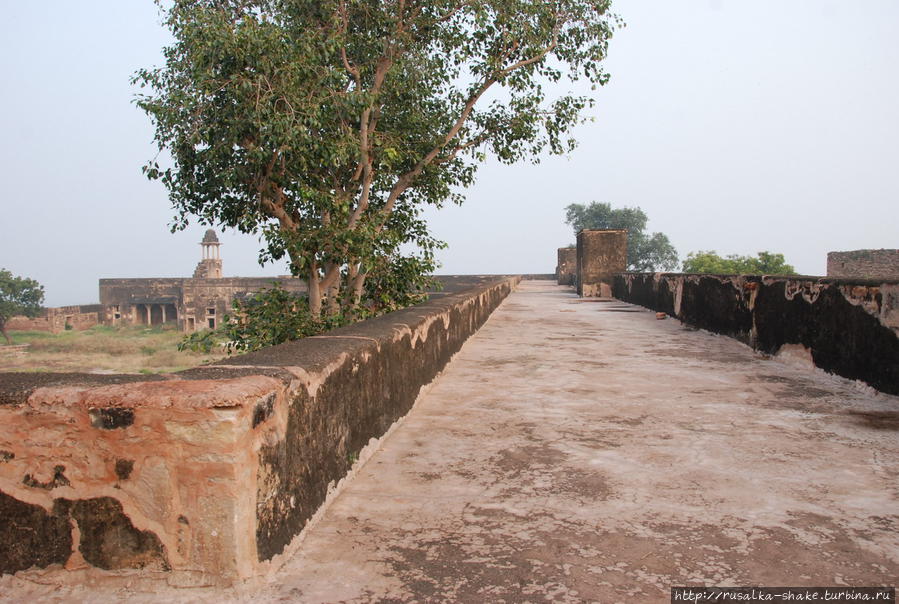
(315, 294)
(5, 335)
(351, 272)
(332, 301)
(356, 292)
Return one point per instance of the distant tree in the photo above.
(645, 253)
(18, 296)
(327, 126)
(765, 263)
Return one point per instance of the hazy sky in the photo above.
(737, 126)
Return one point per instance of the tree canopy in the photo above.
(327, 125)
(765, 263)
(18, 296)
(645, 253)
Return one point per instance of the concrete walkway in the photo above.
(581, 450)
(577, 450)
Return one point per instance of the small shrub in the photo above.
(269, 317)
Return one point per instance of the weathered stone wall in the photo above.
(566, 266)
(849, 327)
(601, 254)
(54, 320)
(864, 264)
(213, 472)
(143, 475)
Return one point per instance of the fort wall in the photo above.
(846, 326)
(210, 474)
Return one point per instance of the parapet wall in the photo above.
(211, 473)
(849, 327)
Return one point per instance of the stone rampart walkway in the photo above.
(581, 450)
(577, 450)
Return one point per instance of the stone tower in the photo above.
(210, 266)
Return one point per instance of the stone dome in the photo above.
(210, 236)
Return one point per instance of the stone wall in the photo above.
(864, 264)
(601, 254)
(566, 266)
(55, 320)
(848, 327)
(211, 473)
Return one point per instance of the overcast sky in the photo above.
(737, 126)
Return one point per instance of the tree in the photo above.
(765, 263)
(645, 253)
(327, 125)
(18, 296)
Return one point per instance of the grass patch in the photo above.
(104, 349)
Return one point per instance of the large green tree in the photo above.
(328, 125)
(18, 296)
(645, 252)
(764, 263)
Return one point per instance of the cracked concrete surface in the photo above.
(579, 450)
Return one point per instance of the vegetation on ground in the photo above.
(18, 296)
(104, 349)
(327, 126)
(645, 253)
(764, 263)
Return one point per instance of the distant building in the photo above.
(865, 264)
(193, 303)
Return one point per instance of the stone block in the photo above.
(601, 254)
(566, 266)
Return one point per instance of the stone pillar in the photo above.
(600, 255)
(566, 265)
(163, 314)
(149, 308)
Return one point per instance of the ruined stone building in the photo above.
(193, 303)
(865, 264)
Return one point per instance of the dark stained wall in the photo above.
(849, 326)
